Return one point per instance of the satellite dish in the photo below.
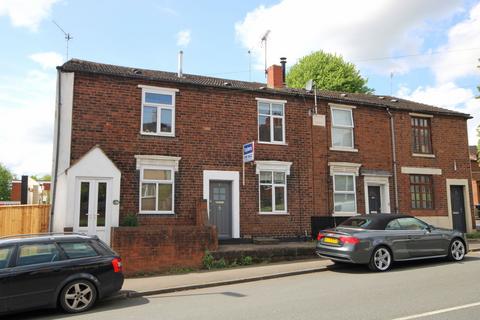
(309, 85)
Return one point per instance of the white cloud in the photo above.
(183, 38)
(348, 27)
(27, 105)
(26, 13)
(47, 59)
(461, 61)
(449, 96)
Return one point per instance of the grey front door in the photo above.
(220, 207)
(374, 199)
(458, 208)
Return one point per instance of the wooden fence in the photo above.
(24, 219)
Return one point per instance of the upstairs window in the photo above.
(421, 135)
(421, 191)
(271, 121)
(342, 128)
(158, 111)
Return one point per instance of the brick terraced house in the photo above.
(155, 144)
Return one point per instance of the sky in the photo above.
(427, 50)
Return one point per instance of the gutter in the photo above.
(57, 149)
(394, 158)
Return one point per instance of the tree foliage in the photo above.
(5, 183)
(329, 72)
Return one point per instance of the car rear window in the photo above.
(37, 253)
(5, 254)
(357, 222)
(75, 250)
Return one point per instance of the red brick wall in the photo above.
(450, 147)
(212, 124)
(161, 248)
(211, 127)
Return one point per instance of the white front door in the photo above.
(93, 207)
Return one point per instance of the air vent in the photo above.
(262, 88)
(343, 95)
(381, 98)
(137, 71)
(393, 100)
(227, 84)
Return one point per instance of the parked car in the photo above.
(71, 271)
(380, 239)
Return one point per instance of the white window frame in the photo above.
(273, 185)
(157, 162)
(157, 182)
(270, 102)
(333, 126)
(158, 90)
(354, 192)
(273, 166)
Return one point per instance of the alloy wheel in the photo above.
(79, 296)
(382, 259)
(457, 250)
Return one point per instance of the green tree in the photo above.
(329, 72)
(5, 183)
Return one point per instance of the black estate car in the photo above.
(71, 271)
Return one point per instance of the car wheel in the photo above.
(78, 296)
(381, 259)
(456, 252)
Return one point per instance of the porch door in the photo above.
(374, 199)
(458, 208)
(220, 207)
(94, 208)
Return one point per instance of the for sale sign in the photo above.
(249, 152)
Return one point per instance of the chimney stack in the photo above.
(276, 75)
(180, 64)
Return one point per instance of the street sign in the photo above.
(249, 152)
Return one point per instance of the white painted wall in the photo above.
(64, 142)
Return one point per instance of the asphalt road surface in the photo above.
(414, 290)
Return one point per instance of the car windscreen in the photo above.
(357, 223)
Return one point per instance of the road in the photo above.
(415, 290)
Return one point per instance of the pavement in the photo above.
(136, 287)
(425, 290)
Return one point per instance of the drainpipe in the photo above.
(394, 156)
(57, 148)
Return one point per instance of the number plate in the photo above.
(330, 240)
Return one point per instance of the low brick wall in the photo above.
(160, 248)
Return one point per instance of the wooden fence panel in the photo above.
(24, 219)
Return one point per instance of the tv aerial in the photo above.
(264, 42)
(68, 36)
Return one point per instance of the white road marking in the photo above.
(431, 313)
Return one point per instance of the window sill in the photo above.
(423, 155)
(273, 143)
(274, 213)
(167, 135)
(157, 213)
(345, 214)
(343, 149)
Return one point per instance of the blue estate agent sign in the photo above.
(248, 152)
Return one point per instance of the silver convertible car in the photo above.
(379, 240)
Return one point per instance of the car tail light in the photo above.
(117, 265)
(351, 240)
(320, 236)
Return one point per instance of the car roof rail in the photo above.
(45, 234)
